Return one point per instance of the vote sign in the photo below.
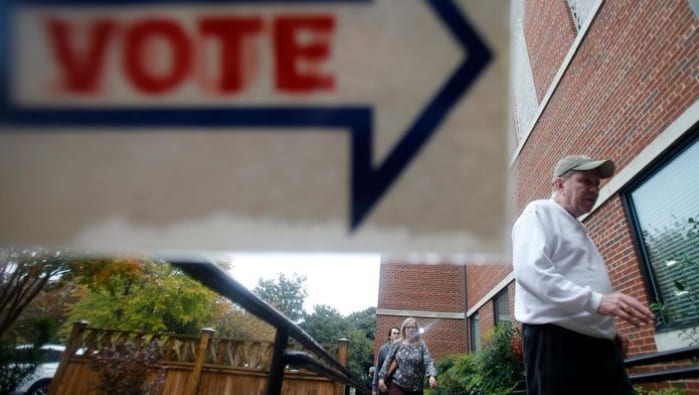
(255, 125)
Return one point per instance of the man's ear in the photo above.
(558, 183)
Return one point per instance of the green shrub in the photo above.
(454, 374)
(499, 362)
(667, 391)
(496, 369)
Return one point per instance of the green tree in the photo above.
(361, 353)
(142, 295)
(236, 323)
(24, 274)
(361, 356)
(365, 321)
(286, 294)
(327, 325)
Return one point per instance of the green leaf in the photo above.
(679, 285)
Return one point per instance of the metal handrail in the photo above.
(663, 356)
(216, 279)
(304, 360)
(686, 372)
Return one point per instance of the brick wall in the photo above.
(612, 235)
(482, 278)
(425, 287)
(549, 32)
(443, 337)
(410, 287)
(635, 72)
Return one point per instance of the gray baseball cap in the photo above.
(605, 168)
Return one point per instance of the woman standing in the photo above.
(414, 363)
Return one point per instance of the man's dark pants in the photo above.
(562, 362)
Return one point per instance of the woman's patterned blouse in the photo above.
(414, 364)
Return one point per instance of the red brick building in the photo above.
(610, 79)
(433, 294)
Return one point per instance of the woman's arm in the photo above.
(430, 370)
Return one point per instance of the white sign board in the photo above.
(336, 125)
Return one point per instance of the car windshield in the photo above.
(46, 354)
(50, 355)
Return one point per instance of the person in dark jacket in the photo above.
(393, 335)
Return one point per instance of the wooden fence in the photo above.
(187, 365)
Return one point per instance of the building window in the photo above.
(580, 9)
(475, 332)
(522, 88)
(694, 5)
(665, 213)
(501, 306)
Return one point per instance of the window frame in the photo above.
(668, 156)
(475, 340)
(497, 300)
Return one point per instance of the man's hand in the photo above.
(625, 307)
(433, 382)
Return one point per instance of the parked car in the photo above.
(38, 382)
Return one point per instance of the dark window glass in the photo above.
(475, 333)
(666, 209)
(501, 304)
(51, 356)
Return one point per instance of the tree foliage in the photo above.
(361, 352)
(43, 289)
(142, 295)
(24, 273)
(364, 321)
(237, 323)
(495, 369)
(327, 325)
(285, 294)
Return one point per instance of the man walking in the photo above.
(563, 294)
(393, 335)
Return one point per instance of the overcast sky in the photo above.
(347, 282)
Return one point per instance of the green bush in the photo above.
(667, 391)
(455, 373)
(496, 369)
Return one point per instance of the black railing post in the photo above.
(276, 371)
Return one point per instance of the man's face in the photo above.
(395, 334)
(578, 193)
